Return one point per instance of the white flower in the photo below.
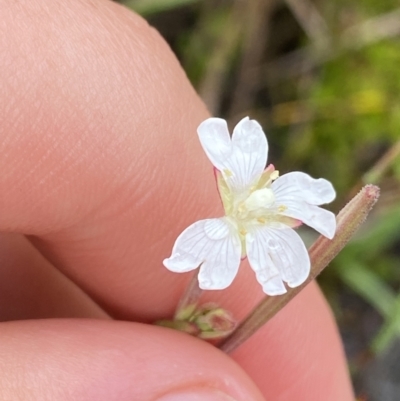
(261, 211)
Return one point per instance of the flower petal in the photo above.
(213, 243)
(216, 141)
(296, 196)
(319, 219)
(297, 185)
(277, 255)
(240, 160)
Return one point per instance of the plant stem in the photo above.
(321, 253)
(189, 300)
(379, 169)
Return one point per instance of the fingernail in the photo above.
(196, 395)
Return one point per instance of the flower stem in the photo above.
(189, 300)
(321, 254)
(376, 173)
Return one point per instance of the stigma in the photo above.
(261, 198)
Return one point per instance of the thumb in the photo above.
(105, 360)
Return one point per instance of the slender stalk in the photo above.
(189, 300)
(321, 253)
(379, 169)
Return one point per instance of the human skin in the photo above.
(101, 169)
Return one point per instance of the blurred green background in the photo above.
(323, 79)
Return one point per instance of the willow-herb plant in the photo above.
(262, 209)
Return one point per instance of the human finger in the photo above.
(103, 190)
(30, 288)
(300, 352)
(80, 359)
(95, 108)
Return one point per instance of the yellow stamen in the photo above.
(262, 220)
(274, 175)
(228, 173)
(282, 208)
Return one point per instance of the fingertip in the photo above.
(106, 361)
(301, 350)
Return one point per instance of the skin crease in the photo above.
(102, 169)
(30, 287)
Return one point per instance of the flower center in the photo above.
(261, 198)
(254, 205)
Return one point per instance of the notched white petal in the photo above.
(181, 262)
(213, 244)
(319, 219)
(249, 136)
(277, 255)
(273, 286)
(297, 196)
(216, 229)
(298, 185)
(250, 153)
(215, 140)
(240, 160)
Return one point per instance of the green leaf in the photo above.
(146, 7)
(368, 285)
(379, 235)
(390, 330)
(378, 294)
